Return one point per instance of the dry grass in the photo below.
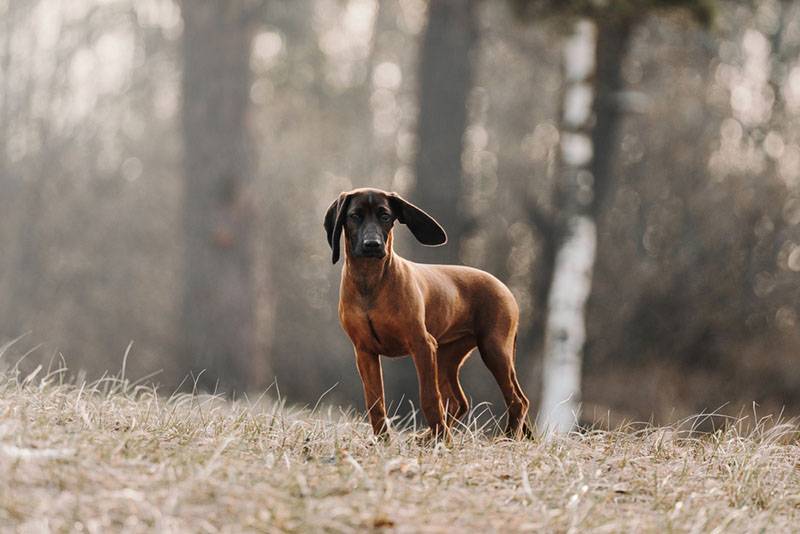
(112, 456)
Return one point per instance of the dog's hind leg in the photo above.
(497, 353)
(449, 358)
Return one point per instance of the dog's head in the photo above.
(367, 217)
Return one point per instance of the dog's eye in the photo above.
(355, 216)
(385, 217)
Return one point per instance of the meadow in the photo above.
(114, 455)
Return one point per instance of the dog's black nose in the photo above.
(372, 243)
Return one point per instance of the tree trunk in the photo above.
(542, 281)
(8, 315)
(445, 77)
(218, 314)
(5, 100)
(445, 72)
(612, 46)
(565, 329)
(592, 71)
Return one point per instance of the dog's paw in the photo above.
(429, 437)
(382, 438)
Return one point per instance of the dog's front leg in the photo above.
(424, 355)
(369, 367)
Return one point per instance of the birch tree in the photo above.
(565, 331)
(590, 114)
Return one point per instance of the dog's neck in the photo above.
(366, 275)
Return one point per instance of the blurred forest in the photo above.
(165, 168)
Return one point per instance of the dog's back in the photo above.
(459, 298)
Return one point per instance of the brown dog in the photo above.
(437, 313)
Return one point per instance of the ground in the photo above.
(111, 455)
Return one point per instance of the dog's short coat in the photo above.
(437, 313)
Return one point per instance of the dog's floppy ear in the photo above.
(423, 226)
(334, 218)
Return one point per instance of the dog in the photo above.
(438, 314)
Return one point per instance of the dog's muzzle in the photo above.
(372, 247)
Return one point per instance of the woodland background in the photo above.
(164, 171)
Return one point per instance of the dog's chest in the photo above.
(373, 332)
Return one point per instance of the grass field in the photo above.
(112, 456)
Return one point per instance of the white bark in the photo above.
(576, 149)
(578, 104)
(565, 328)
(579, 60)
